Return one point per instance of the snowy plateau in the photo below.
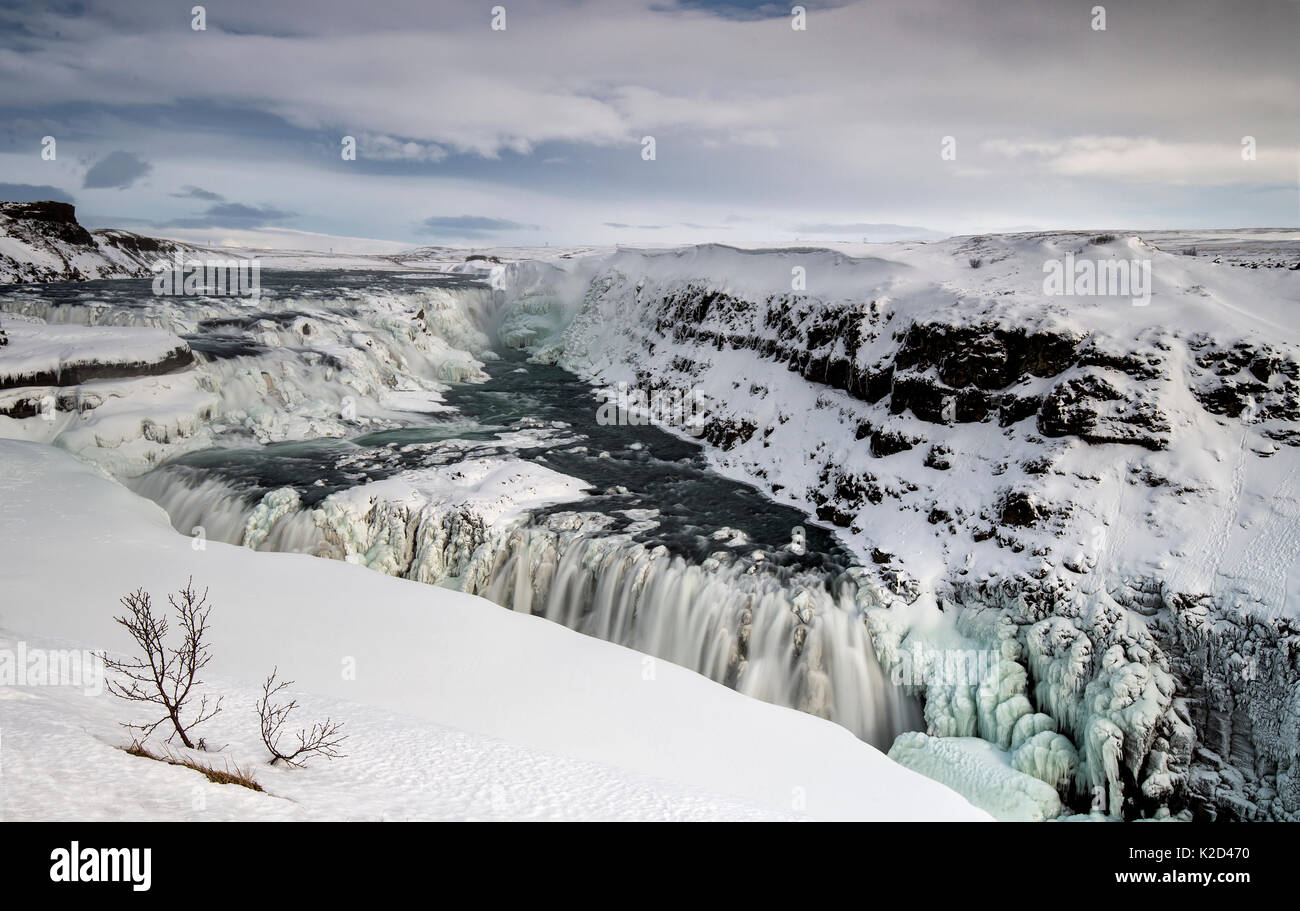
(1096, 499)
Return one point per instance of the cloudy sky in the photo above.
(535, 133)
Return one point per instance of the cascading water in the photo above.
(785, 634)
(772, 633)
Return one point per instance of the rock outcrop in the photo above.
(44, 242)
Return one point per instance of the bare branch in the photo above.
(165, 677)
(323, 739)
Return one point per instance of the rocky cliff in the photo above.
(43, 242)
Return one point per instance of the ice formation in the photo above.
(978, 772)
(291, 368)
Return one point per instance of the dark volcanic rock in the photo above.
(1253, 382)
(53, 220)
(985, 356)
(939, 457)
(884, 442)
(1019, 508)
(935, 402)
(136, 244)
(1091, 406)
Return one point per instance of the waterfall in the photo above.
(772, 633)
(788, 636)
(194, 500)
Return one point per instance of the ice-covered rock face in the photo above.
(1115, 482)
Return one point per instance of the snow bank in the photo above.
(39, 355)
(63, 762)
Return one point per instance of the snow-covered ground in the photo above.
(44, 355)
(456, 709)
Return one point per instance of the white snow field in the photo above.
(458, 709)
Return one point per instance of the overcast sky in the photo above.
(534, 134)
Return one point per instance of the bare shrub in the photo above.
(975, 262)
(1103, 239)
(323, 739)
(166, 676)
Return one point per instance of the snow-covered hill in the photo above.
(43, 242)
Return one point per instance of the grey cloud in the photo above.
(583, 88)
(189, 191)
(116, 170)
(469, 226)
(28, 192)
(232, 215)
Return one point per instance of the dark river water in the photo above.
(627, 467)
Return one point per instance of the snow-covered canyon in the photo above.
(1100, 492)
(1091, 501)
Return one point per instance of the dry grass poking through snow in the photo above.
(232, 774)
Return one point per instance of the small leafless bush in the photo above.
(323, 739)
(1103, 239)
(166, 676)
(975, 262)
